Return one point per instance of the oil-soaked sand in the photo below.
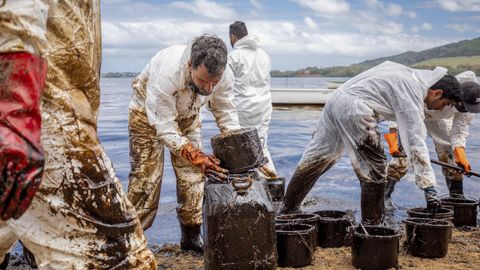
(463, 253)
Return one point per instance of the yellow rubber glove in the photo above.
(461, 158)
(392, 141)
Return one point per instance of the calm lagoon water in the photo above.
(290, 131)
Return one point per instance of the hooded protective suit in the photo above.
(448, 129)
(79, 218)
(348, 123)
(164, 111)
(251, 69)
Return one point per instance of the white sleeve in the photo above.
(459, 132)
(413, 134)
(161, 111)
(222, 105)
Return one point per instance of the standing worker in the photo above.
(389, 91)
(79, 218)
(251, 69)
(165, 111)
(449, 131)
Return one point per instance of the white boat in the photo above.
(300, 96)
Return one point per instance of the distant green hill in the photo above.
(458, 57)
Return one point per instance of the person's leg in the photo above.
(190, 184)
(440, 131)
(146, 162)
(323, 151)
(8, 237)
(263, 134)
(363, 142)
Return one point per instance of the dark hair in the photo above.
(238, 29)
(451, 88)
(211, 51)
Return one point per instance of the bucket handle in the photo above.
(242, 184)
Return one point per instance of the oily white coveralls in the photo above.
(164, 111)
(80, 218)
(448, 129)
(251, 68)
(389, 91)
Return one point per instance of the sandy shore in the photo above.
(463, 253)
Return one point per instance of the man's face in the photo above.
(201, 81)
(435, 101)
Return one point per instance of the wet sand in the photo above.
(463, 253)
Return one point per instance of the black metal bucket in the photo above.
(427, 238)
(332, 227)
(276, 186)
(302, 218)
(294, 244)
(239, 150)
(377, 250)
(442, 213)
(464, 210)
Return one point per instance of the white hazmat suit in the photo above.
(448, 129)
(389, 91)
(79, 218)
(251, 68)
(164, 111)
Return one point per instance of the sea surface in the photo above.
(290, 131)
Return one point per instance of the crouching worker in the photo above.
(389, 91)
(448, 129)
(165, 112)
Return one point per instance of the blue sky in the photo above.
(296, 33)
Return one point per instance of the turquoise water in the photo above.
(290, 131)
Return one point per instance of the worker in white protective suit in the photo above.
(79, 217)
(165, 112)
(449, 131)
(251, 68)
(389, 91)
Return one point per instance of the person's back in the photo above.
(251, 68)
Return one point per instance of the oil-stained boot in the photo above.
(4, 264)
(456, 189)
(191, 238)
(389, 188)
(373, 202)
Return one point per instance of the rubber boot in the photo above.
(456, 189)
(28, 256)
(4, 264)
(389, 188)
(373, 203)
(191, 238)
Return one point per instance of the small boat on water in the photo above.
(300, 96)
(334, 84)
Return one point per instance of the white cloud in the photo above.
(460, 5)
(310, 23)
(206, 9)
(426, 26)
(411, 14)
(394, 10)
(256, 4)
(325, 6)
(462, 28)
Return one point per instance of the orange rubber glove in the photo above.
(461, 158)
(208, 164)
(392, 141)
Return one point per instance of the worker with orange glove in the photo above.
(165, 112)
(449, 131)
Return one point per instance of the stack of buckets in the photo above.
(428, 234)
(298, 235)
